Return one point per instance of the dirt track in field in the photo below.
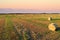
(2, 24)
(5, 32)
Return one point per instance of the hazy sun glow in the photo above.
(31, 4)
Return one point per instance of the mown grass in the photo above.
(9, 32)
(37, 20)
(36, 23)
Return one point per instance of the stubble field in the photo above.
(28, 27)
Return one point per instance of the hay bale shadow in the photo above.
(58, 29)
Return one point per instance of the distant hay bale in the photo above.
(50, 18)
(52, 26)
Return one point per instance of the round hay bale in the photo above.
(50, 18)
(52, 27)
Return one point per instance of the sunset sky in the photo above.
(31, 4)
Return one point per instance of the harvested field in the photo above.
(28, 27)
